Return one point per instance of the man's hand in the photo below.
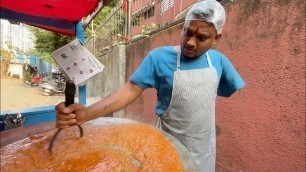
(70, 116)
(78, 114)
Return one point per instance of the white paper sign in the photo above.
(77, 62)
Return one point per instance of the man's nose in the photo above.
(191, 42)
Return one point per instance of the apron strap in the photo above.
(208, 59)
(178, 58)
(158, 122)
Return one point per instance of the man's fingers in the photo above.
(64, 117)
(68, 122)
(75, 107)
(62, 126)
(61, 108)
(71, 108)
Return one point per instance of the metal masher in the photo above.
(69, 99)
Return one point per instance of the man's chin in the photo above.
(189, 55)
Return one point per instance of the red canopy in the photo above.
(55, 15)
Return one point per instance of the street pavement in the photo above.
(17, 95)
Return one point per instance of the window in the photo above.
(146, 14)
(151, 12)
(136, 20)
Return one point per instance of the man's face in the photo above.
(197, 37)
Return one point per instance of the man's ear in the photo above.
(218, 37)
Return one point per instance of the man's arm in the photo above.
(78, 114)
(116, 101)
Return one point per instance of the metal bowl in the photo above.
(14, 135)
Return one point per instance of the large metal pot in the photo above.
(13, 135)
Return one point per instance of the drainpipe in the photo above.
(128, 19)
(160, 14)
(181, 9)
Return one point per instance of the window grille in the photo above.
(166, 5)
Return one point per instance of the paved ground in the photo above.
(17, 95)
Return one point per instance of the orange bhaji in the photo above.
(119, 147)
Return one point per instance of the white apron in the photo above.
(190, 117)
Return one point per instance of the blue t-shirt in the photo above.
(157, 70)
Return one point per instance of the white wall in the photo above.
(15, 69)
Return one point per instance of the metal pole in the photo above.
(82, 89)
(128, 19)
(180, 8)
(93, 38)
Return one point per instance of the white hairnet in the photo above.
(210, 11)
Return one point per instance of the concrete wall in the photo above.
(262, 127)
(111, 78)
(15, 70)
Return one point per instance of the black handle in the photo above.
(69, 92)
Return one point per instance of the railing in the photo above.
(146, 16)
(150, 15)
(109, 34)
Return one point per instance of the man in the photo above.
(187, 79)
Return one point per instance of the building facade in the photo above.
(4, 34)
(149, 15)
(16, 36)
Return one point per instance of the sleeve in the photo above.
(145, 75)
(230, 80)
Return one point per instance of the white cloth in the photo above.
(190, 117)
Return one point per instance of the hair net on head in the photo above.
(210, 11)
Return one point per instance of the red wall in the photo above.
(261, 127)
(162, 19)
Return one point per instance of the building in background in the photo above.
(16, 36)
(149, 15)
(133, 19)
(4, 34)
(18, 39)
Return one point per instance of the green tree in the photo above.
(98, 20)
(5, 55)
(47, 42)
(101, 16)
(5, 59)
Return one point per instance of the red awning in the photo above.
(55, 15)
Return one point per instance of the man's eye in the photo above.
(188, 33)
(202, 38)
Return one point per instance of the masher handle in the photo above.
(69, 99)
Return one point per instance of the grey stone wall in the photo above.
(112, 77)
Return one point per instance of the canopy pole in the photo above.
(82, 89)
